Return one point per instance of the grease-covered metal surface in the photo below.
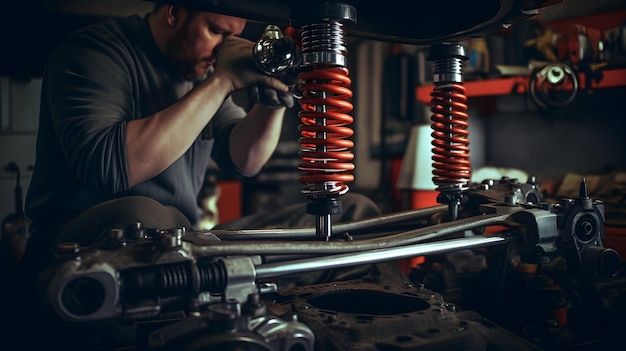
(383, 311)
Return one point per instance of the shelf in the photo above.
(519, 84)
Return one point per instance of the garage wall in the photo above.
(19, 111)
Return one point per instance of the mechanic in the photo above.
(132, 111)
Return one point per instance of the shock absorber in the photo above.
(325, 107)
(451, 164)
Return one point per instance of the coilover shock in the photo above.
(325, 106)
(324, 116)
(451, 164)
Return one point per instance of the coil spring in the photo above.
(451, 165)
(324, 115)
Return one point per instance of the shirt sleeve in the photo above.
(90, 101)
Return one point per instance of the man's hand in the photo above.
(271, 98)
(234, 61)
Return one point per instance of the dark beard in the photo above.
(180, 54)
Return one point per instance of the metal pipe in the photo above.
(383, 220)
(259, 247)
(352, 259)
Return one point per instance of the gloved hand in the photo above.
(234, 61)
(271, 98)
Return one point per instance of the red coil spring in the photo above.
(450, 136)
(324, 115)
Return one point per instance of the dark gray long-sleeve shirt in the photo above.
(96, 81)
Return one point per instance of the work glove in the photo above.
(234, 61)
(271, 98)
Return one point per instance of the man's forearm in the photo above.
(254, 138)
(155, 142)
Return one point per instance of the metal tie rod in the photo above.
(352, 259)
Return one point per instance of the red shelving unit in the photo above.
(519, 84)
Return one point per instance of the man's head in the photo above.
(190, 38)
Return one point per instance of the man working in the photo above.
(128, 123)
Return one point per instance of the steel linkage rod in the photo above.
(302, 233)
(275, 247)
(352, 259)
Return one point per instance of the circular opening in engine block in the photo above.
(367, 302)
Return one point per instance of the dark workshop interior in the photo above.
(489, 133)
